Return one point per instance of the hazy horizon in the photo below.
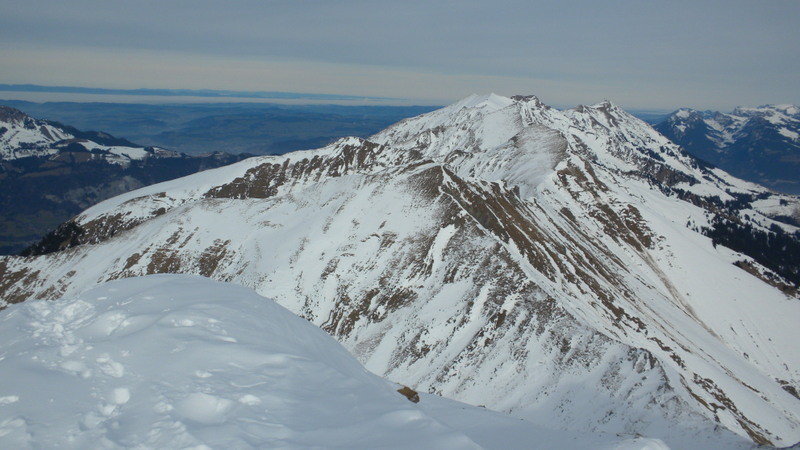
(290, 99)
(641, 55)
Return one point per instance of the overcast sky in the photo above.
(640, 54)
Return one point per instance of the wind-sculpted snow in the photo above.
(179, 361)
(500, 252)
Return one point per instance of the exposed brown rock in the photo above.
(410, 394)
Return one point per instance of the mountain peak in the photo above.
(531, 100)
(789, 109)
(684, 113)
(9, 114)
(604, 104)
(491, 101)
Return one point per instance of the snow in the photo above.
(19, 140)
(122, 154)
(788, 109)
(205, 364)
(334, 248)
(793, 135)
(492, 102)
(775, 114)
(725, 129)
(26, 136)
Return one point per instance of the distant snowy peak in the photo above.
(760, 144)
(726, 128)
(773, 113)
(23, 136)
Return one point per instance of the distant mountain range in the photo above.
(49, 172)
(757, 144)
(229, 127)
(574, 268)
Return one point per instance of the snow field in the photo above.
(173, 361)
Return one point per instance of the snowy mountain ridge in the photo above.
(757, 143)
(23, 136)
(727, 128)
(547, 263)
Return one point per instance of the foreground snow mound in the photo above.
(168, 361)
(176, 361)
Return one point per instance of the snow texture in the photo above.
(170, 361)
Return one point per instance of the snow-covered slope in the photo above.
(547, 263)
(176, 361)
(759, 144)
(22, 135)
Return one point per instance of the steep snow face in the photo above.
(171, 361)
(542, 262)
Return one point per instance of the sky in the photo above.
(640, 54)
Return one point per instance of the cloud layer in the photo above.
(641, 54)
